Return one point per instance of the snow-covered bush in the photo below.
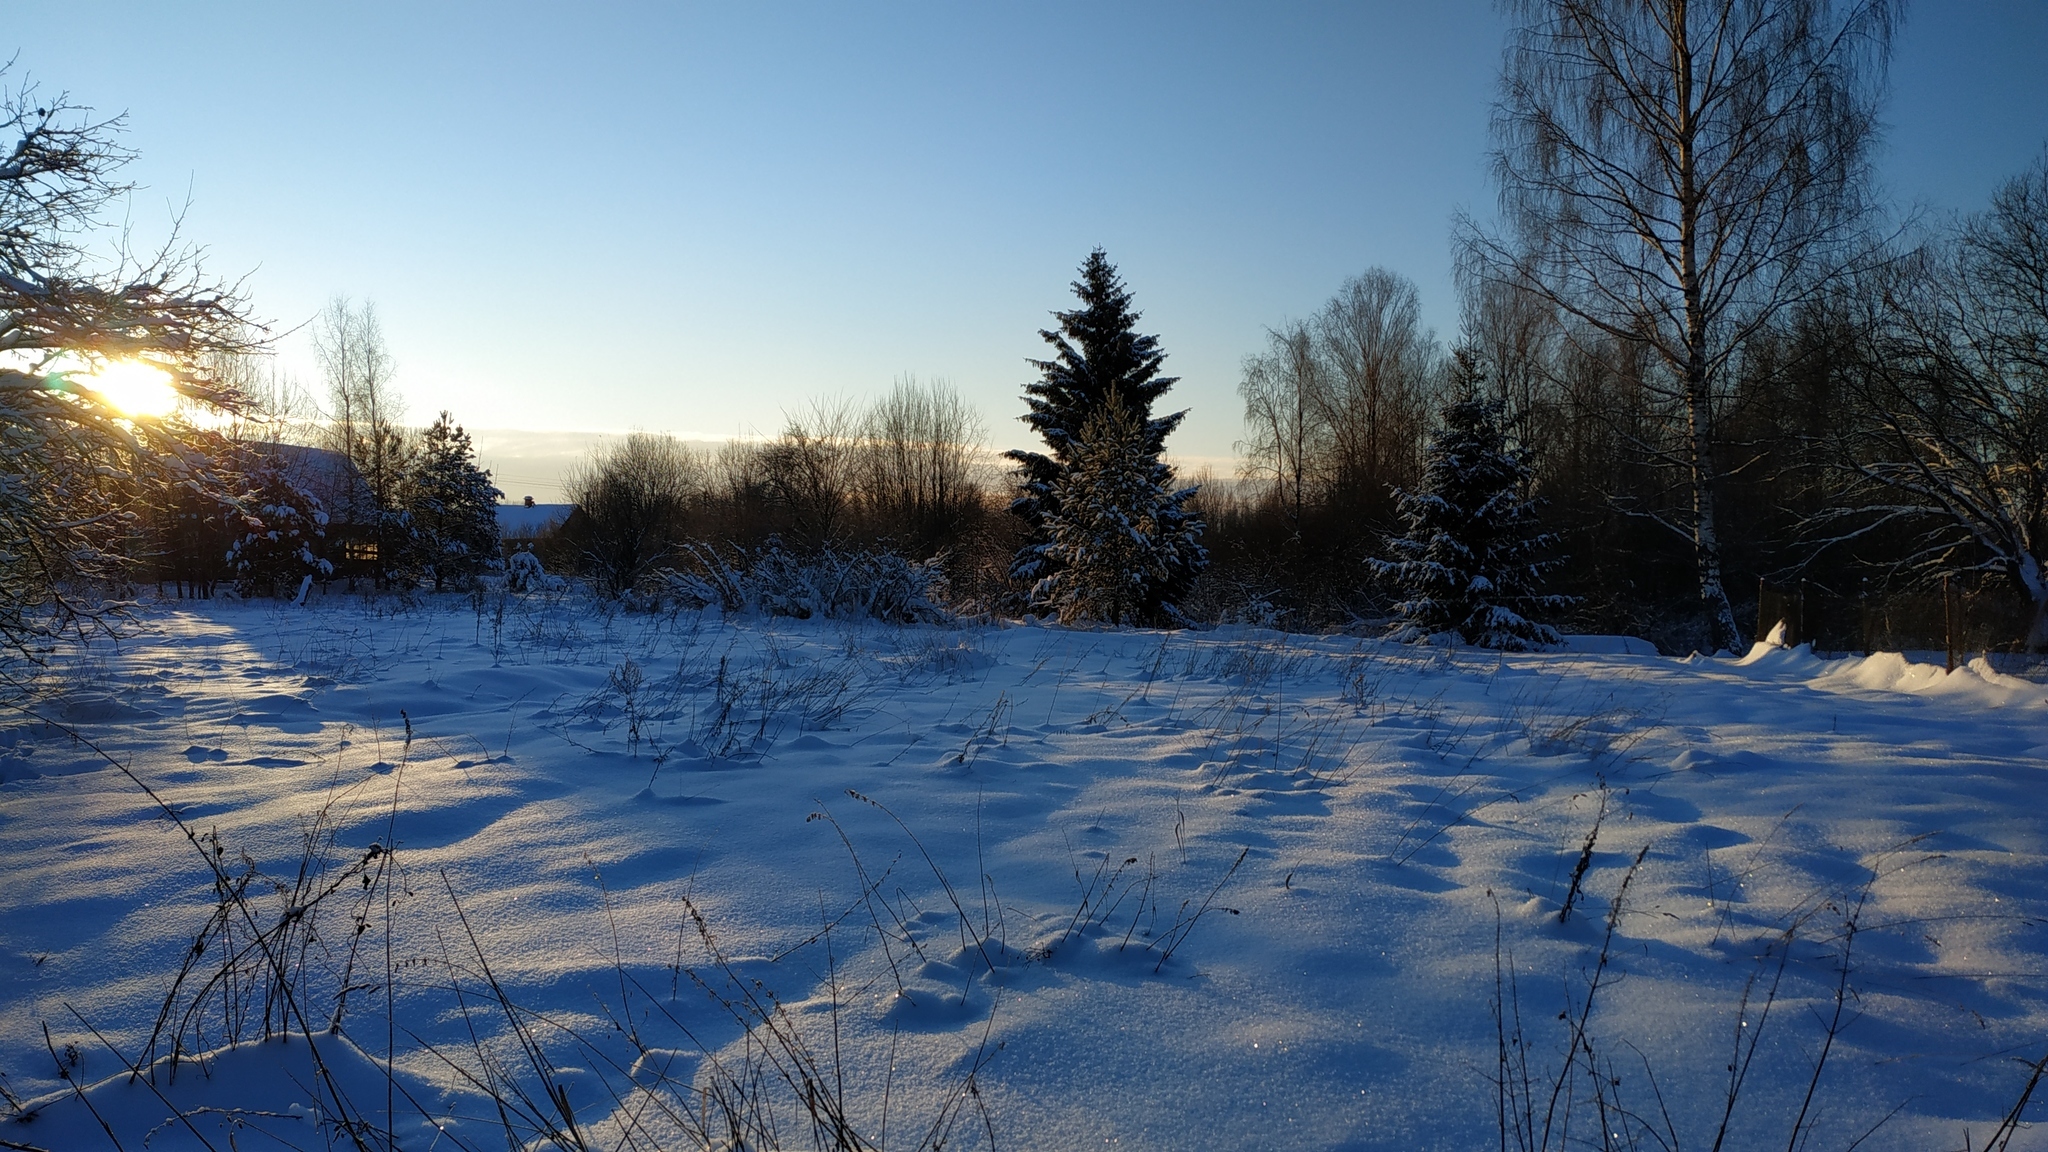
(775, 581)
(710, 581)
(1255, 609)
(525, 573)
(851, 584)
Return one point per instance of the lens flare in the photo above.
(136, 388)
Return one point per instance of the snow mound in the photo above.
(1975, 681)
(1892, 672)
(1772, 655)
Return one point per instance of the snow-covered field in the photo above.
(1227, 889)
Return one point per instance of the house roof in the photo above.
(520, 520)
(329, 475)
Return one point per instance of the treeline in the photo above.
(1095, 528)
(906, 473)
(1874, 439)
(1885, 433)
(1734, 380)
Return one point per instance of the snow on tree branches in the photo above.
(1467, 563)
(282, 533)
(1117, 534)
(453, 508)
(1949, 437)
(1099, 357)
(77, 470)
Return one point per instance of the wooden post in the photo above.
(1863, 615)
(1948, 621)
(1799, 635)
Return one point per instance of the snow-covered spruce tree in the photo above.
(1468, 562)
(281, 532)
(1098, 354)
(1116, 534)
(453, 509)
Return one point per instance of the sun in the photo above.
(136, 388)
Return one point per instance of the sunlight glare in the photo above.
(136, 388)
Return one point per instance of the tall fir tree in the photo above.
(1470, 559)
(1099, 354)
(453, 509)
(1116, 533)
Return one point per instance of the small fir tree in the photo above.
(1099, 356)
(281, 532)
(523, 570)
(1468, 562)
(452, 509)
(1116, 534)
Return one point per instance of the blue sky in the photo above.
(601, 217)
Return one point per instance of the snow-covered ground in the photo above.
(1227, 889)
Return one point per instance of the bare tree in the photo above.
(813, 470)
(1673, 175)
(1514, 334)
(77, 465)
(1336, 407)
(1376, 396)
(1953, 429)
(738, 487)
(921, 447)
(364, 409)
(633, 495)
(274, 407)
(1287, 435)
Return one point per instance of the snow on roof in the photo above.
(329, 475)
(524, 520)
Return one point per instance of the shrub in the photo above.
(631, 498)
(775, 581)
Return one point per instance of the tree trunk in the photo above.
(1699, 409)
(2037, 635)
(2034, 583)
(1706, 536)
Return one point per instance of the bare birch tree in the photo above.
(365, 410)
(1285, 444)
(1375, 397)
(1674, 174)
